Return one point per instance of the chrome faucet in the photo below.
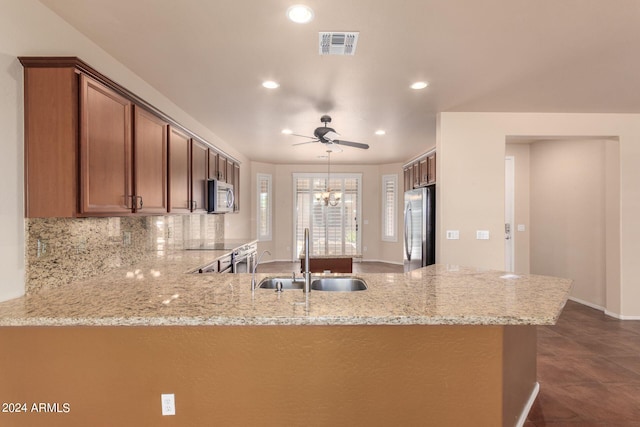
(306, 273)
(255, 267)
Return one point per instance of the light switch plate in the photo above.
(521, 227)
(482, 234)
(168, 404)
(453, 234)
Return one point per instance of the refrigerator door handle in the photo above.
(408, 239)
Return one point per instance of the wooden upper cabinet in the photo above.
(51, 142)
(179, 173)
(93, 148)
(199, 175)
(416, 175)
(213, 164)
(150, 162)
(424, 172)
(431, 166)
(408, 178)
(222, 168)
(236, 186)
(105, 150)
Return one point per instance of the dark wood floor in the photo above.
(588, 364)
(588, 370)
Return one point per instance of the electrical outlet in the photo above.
(453, 234)
(482, 234)
(168, 404)
(43, 247)
(521, 227)
(81, 246)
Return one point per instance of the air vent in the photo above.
(338, 43)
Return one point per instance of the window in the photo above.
(333, 230)
(264, 207)
(389, 207)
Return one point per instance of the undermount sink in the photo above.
(338, 284)
(286, 283)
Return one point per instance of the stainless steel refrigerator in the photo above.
(419, 227)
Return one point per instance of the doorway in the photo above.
(571, 198)
(509, 207)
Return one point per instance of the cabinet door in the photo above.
(431, 166)
(105, 150)
(199, 166)
(150, 163)
(408, 178)
(424, 172)
(179, 173)
(416, 175)
(222, 168)
(213, 165)
(236, 186)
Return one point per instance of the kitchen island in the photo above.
(443, 345)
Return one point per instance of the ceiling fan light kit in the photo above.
(329, 197)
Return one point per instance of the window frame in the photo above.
(322, 175)
(392, 178)
(268, 236)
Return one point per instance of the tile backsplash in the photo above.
(62, 250)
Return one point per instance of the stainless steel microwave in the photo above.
(220, 197)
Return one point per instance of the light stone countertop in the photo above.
(159, 292)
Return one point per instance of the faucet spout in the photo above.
(255, 268)
(306, 273)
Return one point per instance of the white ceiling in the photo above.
(211, 56)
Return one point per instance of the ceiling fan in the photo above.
(328, 135)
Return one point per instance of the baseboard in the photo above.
(587, 303)
(620, 316)
(604, 310)
(527, 407)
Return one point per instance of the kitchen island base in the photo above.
(409, 375)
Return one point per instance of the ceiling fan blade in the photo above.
(331, 135)
(351, 144)
(306, 142)
(303, 136)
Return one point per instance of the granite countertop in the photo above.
(159, 291)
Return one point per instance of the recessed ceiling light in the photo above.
(300, 14)
(270, 84)
(419, 85)
(287, 131)
(380, 132)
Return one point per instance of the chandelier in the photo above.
(329, 197)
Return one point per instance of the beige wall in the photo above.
(471, 150)
(568, 193)
(281, 246)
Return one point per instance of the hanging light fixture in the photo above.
(329, 197)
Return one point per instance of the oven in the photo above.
(244, 258)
